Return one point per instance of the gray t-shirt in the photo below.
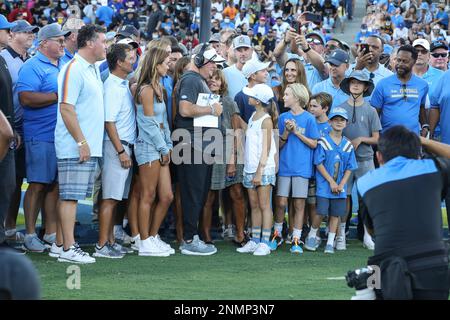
(361, 124)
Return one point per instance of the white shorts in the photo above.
(116, 180)
(298, 186)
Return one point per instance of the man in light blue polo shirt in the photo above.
(422, 69)
(338, 61)
(37, 89)
(79, 135)
(400, 99)
(235, 78)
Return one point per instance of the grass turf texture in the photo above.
(225, 275)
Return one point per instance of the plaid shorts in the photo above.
(76, 180)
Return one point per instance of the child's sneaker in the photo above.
(311, 244)
(262, 250)
(340, 243)
(296, 248)
(277, 240)
(289, 238)
(329, 249)
(249, 247)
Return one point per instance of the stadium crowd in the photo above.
(119, 100)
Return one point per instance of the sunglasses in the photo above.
(440, 55)
(314, 41)
(405, 97)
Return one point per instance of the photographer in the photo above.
(403, 198)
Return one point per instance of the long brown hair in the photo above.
(223, 82)
(301, 75)
(149, 74)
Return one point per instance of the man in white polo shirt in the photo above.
(79, 134)
(120, 125)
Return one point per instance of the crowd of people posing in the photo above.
(163, 132)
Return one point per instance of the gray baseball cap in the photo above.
(24, 26)
(215, 37)
(242, 41)
(51, 31)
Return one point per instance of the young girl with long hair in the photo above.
(152, 151)
(260, 166)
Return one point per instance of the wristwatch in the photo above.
(307, 49)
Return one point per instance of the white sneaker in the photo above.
(55, 251)
(135, 242)
(340, 243)
(368, 243)
(151, 247)
(249, 247)
(164, 244)
(75, 255)
(262, 250)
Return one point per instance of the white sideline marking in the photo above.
(336, 278)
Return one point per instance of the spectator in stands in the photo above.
(242, 19)
(22, 10)
(230, 11)
(132, 19)
(78, 135)
(261, 26)
(442, 16)
(155, 18)
(105, 14)
(362, 35)
(280, 28)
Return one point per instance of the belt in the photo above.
(125, 143)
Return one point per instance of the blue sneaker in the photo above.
(277, 240)
(329, 249)
(311, 244)
(296, 248)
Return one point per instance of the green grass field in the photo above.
(226, 275)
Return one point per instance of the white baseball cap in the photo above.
(422, 42)
(210, 55)
(261, 92)
(252, 66)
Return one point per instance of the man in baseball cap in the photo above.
(439, 55)
(52, 31)
(5, 27)
(338, 62)
(422, 66)
(24, 26)
(243, 52)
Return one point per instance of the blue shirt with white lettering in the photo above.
(336, 159)
(440, 99)
(400, 103)
(324, 128)
(296, 158)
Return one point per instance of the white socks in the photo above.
(331, 237)
(10, 232)
(297, 233)
(313, 232)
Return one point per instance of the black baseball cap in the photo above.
(437, 45)
(128, 31)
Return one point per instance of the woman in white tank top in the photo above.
(260, 167)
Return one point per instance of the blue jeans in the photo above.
(7, 186)
(349, 8)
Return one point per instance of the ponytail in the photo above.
(272, 110)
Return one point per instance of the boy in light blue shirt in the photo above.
(334, 159)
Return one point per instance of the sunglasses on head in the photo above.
(440, 55)
(331, 47)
